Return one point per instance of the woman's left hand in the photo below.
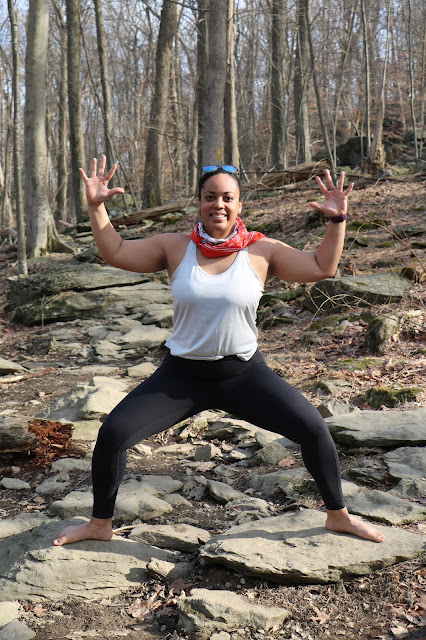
(335, 198)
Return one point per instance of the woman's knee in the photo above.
(111, 434)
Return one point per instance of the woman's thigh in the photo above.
(266, 400)
(156, 404)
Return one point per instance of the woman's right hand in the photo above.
(97, 190)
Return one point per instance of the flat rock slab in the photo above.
(73, 278)
(406, 462)
(383, 507)
(7, 366)
(99, 303)
(180, 537)
(297, 549)
(87, 401)
(31, 568)
(378, 288)
(19, 524)
(379, 428)
(217, 609)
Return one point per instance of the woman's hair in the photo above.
(208, 175)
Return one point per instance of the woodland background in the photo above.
(164, 87)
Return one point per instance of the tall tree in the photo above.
(200, 90)
(317, 91)
(106, 92)
(301, 77)
(366, 41)
(157, 120)
(232, 154)
(19, 198)
(62, 211)
(376, 158)
(39, 218)
(213, 135)
(278, 114)
(74, 108)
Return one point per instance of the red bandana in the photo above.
(212, 248)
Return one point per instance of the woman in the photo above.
(217, 276)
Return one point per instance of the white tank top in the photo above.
(214, 315)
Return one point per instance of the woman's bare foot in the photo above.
(341, 521)
(94, 529)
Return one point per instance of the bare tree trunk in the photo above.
(232, 154)
(341, 74)
(74, 107)
(367, 75)
(62, 211)
(213, 134)
(42, 234)
(201, 88)
(410, 59)
(153, 159)
(37, 209)
(278, 114)
(317, 92)
(19, 198)
(376, 158)
(106, 93)
(6, 218)
(301, 73)
(422, 87)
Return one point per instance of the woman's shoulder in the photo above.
(175, 246)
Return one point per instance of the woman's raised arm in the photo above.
(143, 255)
(305, 266)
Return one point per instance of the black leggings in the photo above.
(181, 388)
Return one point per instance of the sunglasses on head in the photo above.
(228, 168)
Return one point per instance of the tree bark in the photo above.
(200, 91)
(232, 154)
(38, 214)
(376, 159)
(106, 92)
(278, 114)
(62, 212)
(19, 198)
(410, 61)
(317, 91)
(153, 159)
(74, 107)
(301, 76)
(367, 75)
(213, 135)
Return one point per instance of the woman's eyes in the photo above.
(227, 198)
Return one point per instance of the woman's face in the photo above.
(220, 205)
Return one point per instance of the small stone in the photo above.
(142, 370)
(379, 331)
(143, 449)
(15, 484)
(207, 452)
(16, 630)
(8, 611)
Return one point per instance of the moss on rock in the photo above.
(390, 396)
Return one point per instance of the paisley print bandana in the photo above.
(237, 240)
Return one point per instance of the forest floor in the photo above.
(391, 602)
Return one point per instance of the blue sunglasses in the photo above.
(228, 168)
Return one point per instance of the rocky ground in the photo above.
(364, 361)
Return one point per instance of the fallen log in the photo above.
(5, 232)
(277, 179)
(137, 217)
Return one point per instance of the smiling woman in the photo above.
(217, 276)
